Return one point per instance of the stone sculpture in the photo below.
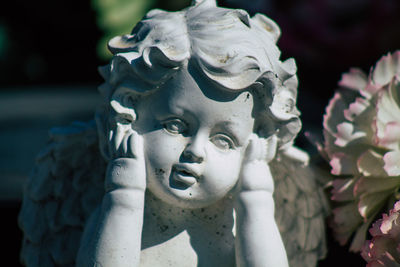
(190, 161)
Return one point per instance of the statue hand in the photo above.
(126, 169)
(112, 236)
(258, 241)
(121, 141)
(255, 172)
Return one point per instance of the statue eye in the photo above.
(175, 126)
(222, 141)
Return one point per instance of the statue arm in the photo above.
(258, 241)
(112, 237)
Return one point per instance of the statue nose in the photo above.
(193, 157)
(194, 151)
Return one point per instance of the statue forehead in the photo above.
(186, 90)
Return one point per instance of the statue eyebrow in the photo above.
(231, 128)
(180, 111)
(168, 110)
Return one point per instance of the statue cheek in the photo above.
(162, 149)
(225, 166)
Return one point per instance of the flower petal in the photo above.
(355, 79)
(389, 225)
(370, 90)
(386, 68)
(366, 251)
(396, 207)
(375, 230)
(392, 163)
(381, 245)
(395, 91)
(346, 133)
(334, 111)
(388, 117)
(356, 108)
(391, 136)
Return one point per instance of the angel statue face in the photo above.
(194, 142)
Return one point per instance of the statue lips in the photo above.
(185, 175)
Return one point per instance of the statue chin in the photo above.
(185, 198)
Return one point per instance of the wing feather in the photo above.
(300, 208)
(63, 190)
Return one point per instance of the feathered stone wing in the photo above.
(301, 208)
(62, 191)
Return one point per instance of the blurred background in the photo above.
(50, 51)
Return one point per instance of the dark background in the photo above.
(47, 48)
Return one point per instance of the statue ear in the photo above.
(269, 25)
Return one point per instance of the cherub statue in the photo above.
(190, 161)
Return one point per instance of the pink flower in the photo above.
(384, 248)
(362, 145)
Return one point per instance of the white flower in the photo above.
(362, 144)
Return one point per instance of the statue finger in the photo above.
(123, 147)
(111, 152)
(254, 150)
(135, 145)
(116, 140)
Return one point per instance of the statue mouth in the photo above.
(184, 175)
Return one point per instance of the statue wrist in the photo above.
(125, 173)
